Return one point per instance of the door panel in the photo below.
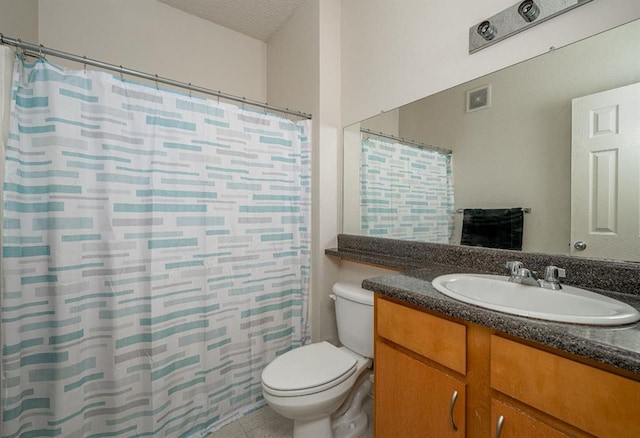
(605, 177)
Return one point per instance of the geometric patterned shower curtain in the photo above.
(155, 256)
(406, 192)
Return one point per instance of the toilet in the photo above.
(321, 386)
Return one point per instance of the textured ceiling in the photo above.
(259, 19)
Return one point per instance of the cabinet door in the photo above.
(413, 399)
(596, 401)
(514, 423)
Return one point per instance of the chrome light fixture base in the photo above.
(515, 19)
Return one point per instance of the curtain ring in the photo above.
(189, 90)
(40, 52)
(85, 63)
(218, 97)
(157, 87)
(121, 75)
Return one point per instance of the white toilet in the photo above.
(320, 386)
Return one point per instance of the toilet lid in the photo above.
(313, 367)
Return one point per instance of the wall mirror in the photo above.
(530, 136)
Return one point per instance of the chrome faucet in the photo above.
(552, 275)
(520, 274)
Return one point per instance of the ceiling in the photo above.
(259, 19)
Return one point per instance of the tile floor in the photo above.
(265, 423)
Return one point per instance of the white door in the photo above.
(605, 174)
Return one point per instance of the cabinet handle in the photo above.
(499, 428)
(454, 397)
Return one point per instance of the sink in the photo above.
(570, 304)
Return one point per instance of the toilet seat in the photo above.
(307, 370)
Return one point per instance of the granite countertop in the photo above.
(421, 262)
(618, 346)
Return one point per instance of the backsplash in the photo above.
(614, 276)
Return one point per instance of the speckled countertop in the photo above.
(617, 346)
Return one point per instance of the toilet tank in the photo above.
(354, 316)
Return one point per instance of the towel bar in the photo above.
(525, 210)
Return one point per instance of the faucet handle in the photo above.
(553, 274)
(514, 267)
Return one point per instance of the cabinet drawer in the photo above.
(435, 338)
(596, 401)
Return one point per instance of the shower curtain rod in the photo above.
(408, 142)
(40, 50)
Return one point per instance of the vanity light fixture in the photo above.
(528, 10)
(487, 30)
(515, 19)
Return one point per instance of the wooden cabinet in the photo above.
(595, 401)
(509, 422)
(422, 359)
(413, 397)
(415, 394)
(429, 336)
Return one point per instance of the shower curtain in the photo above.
(406, 192)
(155, 256)
(6, 73)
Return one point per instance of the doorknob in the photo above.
(580, 245)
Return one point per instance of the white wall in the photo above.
(155, 38)
(327, 159)
(19, 19)
(304, 71)
(292, 61)
(396, 52)
(387, 122)
(352, 146)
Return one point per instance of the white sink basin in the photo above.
(570, 304)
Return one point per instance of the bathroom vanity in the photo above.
(441, 377)
(446, 368)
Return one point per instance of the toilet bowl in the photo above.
(312, 382)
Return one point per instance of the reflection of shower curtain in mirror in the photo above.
(155, 258)
(406, 192)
